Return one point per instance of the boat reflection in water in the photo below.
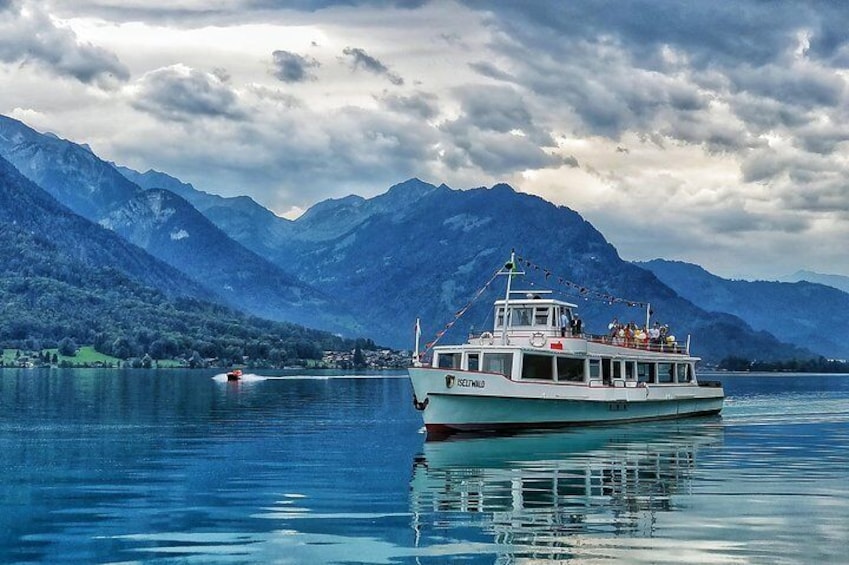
(584, 493)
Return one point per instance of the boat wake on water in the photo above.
(243, 378)
(250, 377)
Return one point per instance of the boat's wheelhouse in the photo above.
(523, 318)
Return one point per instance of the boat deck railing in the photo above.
(668, 346)
(665, 346)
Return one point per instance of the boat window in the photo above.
(617, 370)
(629, 370)
(666, 372)
(541, 316)
(645, 372)
(595, 369)
(606, 370)
(501, 363)
(685, 373)
(474, 361)
(449, 360)
(499, 317)
(521, 316)
(569, 369)
(538, 367)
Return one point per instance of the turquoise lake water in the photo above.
(106, 466)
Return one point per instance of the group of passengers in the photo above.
(631, 334)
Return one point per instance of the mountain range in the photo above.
(169, 228)
(835, 281)
(799, 312)
(62, 276)
(371, 266)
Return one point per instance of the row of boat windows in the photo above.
(569, 369)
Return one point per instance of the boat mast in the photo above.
(416, 360)
(510, 268)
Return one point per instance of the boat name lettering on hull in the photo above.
(451, 381)
(471, 383)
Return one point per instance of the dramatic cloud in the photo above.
(710, 132)
(362, 60)
(291, 67)
(421, 104)
(180, 93)
(29, 36)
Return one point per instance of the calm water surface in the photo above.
(182, 467)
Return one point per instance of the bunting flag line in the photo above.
(582, 291)
(459, 314)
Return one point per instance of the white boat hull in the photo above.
(453, 401)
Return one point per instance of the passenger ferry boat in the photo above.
(526, 374)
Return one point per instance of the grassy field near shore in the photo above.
(86, 355)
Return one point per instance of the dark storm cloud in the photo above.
(823, 139)
(712, 33)
(291, 67)
(804, 87)
(178, 93)
(182, 14)
(736, 221)
(360, 59)
(314, 5)
(496, 132)
(621, 65)
(422, 105)
(499, 153)
(489, 70)
(31, 38)
(500, 109)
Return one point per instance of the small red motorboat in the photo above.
(234, 375)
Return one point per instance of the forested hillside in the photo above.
(168, 227)
(63, 277)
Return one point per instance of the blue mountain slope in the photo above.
(803, 313)
(28, 208)
(169, 228)
(428, 258)
(240, 217)
(74, 175)
(172, 230)
(835, 281)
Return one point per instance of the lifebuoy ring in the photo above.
(485, 338)
(537, 339)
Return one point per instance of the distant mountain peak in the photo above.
(406, 192)
(839, 282)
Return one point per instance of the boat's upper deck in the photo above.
(538, 321)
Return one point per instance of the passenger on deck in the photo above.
(564, 322)
(577, 326)
(654, 333)
(619, 338)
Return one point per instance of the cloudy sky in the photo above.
(709, 132)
